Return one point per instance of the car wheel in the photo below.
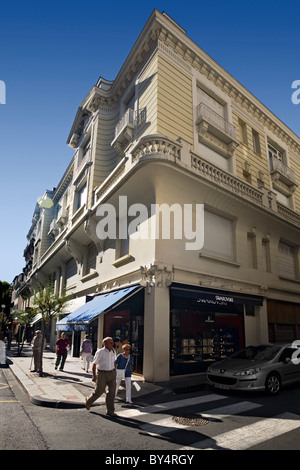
(273, 384)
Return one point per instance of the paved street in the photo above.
(160, 422)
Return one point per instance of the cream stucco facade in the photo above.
(175, 128)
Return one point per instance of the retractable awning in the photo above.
(81, 317)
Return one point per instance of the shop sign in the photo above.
(216, 300)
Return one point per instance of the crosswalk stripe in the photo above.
(234, 409)
(248, 436)
(165, 425)
(162, 407)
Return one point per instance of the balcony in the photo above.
(126, 127)
(54, 229)
(281, 172)
(216, 130)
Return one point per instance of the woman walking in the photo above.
(86, 350)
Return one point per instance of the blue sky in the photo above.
(52, 53)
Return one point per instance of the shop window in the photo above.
(200, 338)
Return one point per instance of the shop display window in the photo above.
(199, 338)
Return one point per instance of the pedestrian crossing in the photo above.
(157, 421)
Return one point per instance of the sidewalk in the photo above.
(62, 389)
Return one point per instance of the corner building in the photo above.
(175, 128)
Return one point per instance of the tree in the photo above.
(24, 318)
(49, 304)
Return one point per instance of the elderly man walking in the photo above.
(104, 374)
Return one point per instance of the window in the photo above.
(287, 260)
(251, 250)
(256, 142)
(243, 132)
(210, 102)
(82, 196)
(266, 256)
(218, 237)
(275, 153)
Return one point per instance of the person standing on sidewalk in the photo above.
(86, 350)
(36, 349)
(104, 374)
(62, 346)
(124, 364)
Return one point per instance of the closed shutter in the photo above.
(285, 333)
(218, 236)
(286, 259)
(212, 103)
(71, 272)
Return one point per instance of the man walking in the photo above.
(62, 346)
(104, 374)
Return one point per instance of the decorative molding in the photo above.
(157, 275)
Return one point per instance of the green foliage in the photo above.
(49, 303)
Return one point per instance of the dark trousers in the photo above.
(61, 357)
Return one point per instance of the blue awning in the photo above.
(81, 317)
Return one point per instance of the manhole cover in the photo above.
(190, 420)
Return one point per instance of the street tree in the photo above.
(49, 304)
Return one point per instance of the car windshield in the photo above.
(257, 353)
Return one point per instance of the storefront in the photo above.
(206, 326)
(120, 313)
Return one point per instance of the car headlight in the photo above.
(248, 371)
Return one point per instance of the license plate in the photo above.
(223, 387)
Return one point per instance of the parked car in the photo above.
(265, 367)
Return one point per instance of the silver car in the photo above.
(265, 367)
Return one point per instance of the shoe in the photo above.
(34, 370)
(55, 367)
(129, 401)
(87, 405)
(113, 415)
(61, 368)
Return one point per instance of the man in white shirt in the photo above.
(104, 374)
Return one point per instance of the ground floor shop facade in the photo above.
(180, 329)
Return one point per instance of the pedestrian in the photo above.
(86, 350)
(124, 365)
(62, 347)
(36, 349)
(104, 375)
(117, 346)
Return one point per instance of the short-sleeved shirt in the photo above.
(62, 345)
(105, 359)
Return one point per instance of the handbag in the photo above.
(121, 372)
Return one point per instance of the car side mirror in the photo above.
(287, 360)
